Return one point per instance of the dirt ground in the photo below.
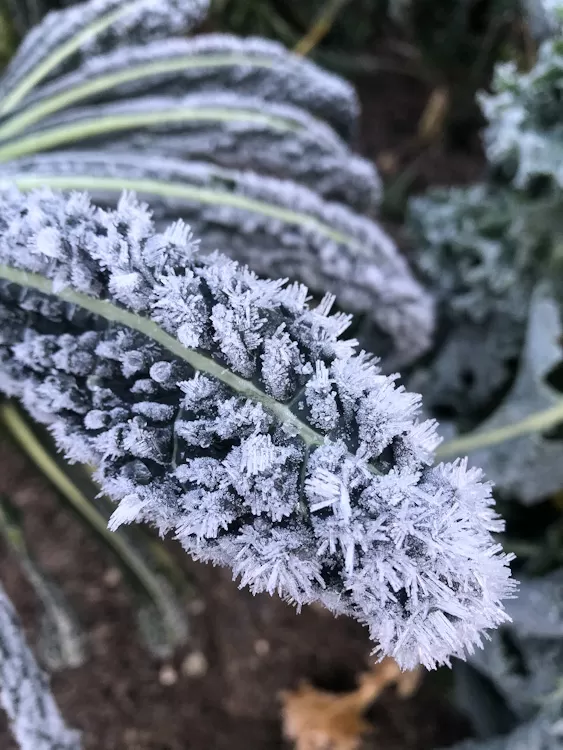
(254, 646)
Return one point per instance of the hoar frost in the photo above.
(240, 421)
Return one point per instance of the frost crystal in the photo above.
(315, 483)
(24, 691)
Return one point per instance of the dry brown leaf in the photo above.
(319, 720)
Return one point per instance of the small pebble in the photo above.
(262, 647)
(195, 664)
(196, 607)
(167, 675)
(112, 577)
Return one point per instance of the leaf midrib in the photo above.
(198, 361)
(96, 125)
(36, 112)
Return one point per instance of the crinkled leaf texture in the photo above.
(24, 691)
(524, 134)
(209, 62)
(525, 659)
(545, 732)
(527, 465)
(276, 226)
(66, 38)
(238, 131)
(140, 101)
(220, 407)
(479, 258)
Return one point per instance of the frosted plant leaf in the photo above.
(350, 513)
(34, 718)
(524, 131)
(480, 260)
(278, 227)
(64, 39)
(542, 733)
(230, 130)
(210, 62)
(544, 17)
(528, 467)
(524, 660)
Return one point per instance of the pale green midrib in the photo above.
(147, 327)
(177, 190)
(36, 112)
(100, 125)
(60, 54)
(33, 448)
(539, 422)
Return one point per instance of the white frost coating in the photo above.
(251, 66)
(135, 21)
(479, 257)
(524, 132)
(324, 245)
(242, 132)
(24, 691)
(350, 513)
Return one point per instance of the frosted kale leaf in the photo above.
(209, 62)
(542, 733)
(24, 691)
(64, 39)
(524, 134)
(524, 661)
(526, 464)
(237, 131)
(544, 17)
(220, 407)
(278, 227)
(234, 104)
(479, 258)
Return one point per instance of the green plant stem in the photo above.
(541, 421)
(60, 626)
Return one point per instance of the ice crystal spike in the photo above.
(24, 691)
(220, 407)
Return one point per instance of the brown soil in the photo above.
(254, 646)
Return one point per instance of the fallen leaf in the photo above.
(320, 720)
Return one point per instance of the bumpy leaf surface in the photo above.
(24, 691)
(278, 227)
(235, 131)
(476, 253)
